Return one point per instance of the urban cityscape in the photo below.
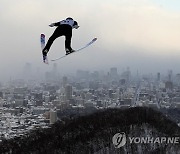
(27, 104)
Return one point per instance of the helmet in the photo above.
(69, 18)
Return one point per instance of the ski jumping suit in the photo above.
(64, 28)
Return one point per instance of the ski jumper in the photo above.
(64, 28)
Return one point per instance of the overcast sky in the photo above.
(140, 34)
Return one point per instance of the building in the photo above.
(64, 81)
(53, 117)
(158, 76)
(113, 72)
(68, 92)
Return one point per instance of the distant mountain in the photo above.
(93, 134)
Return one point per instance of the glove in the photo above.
(52, 24)
(76, 26)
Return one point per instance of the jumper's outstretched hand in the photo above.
(52, 25)
(76, 26)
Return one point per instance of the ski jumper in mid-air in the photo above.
(64, 28)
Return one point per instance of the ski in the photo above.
(42, 40)
(88, 44)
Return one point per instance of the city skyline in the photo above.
(28, 105)
(30, 71)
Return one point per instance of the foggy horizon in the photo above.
(30, 71)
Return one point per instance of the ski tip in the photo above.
(95, 39)
(42, 35)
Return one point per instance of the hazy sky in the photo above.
(141, 34)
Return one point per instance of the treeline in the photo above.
(88, 134)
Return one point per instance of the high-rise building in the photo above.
(68, 92)
(169, 85)
(126, 75)
(178, 79)
(110, 92)
(53, 117)
(1, 94)
(113, 72)
(170, 75)
(158, 76)
(64, 81)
